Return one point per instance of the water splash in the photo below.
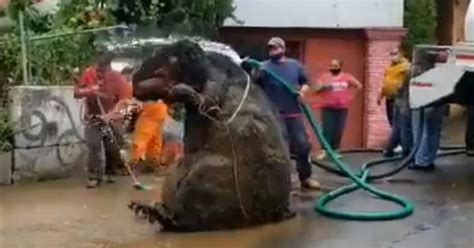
(206, 45)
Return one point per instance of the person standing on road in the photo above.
(102, 89)
(402, 124)
(427, 136)
(395, 90)
(292, 72)
(430, 136)
(335, 89)
(395, 75)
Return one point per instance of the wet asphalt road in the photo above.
(65, 214)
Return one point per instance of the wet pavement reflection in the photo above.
(65, 214)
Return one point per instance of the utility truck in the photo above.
(444, 73)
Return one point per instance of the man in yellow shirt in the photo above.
(395, 75)
(395, 91)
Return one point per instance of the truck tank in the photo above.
(444, 73)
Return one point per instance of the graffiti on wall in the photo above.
(37, 128)
(49, 130)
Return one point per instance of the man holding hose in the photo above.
(293, 73)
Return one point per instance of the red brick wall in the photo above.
(317, 48)
(379, 44)
(351, 50)
(366, 54)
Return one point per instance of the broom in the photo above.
(136, 184)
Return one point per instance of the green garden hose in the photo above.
(360, 180)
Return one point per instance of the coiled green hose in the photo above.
(359, 180)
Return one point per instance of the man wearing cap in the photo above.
(292, 72)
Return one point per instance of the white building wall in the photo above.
(318, 13)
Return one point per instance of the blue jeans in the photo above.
(300, 146)
(430, 135)
(401, 130)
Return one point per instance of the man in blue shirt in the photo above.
(290, 110)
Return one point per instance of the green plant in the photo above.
(10, 58)
(421, 22)
(51, 61)
(6, 131)
(199, 17)
(82, 14)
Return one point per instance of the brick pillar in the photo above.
(379, 44)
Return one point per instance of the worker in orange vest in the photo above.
(148, 142)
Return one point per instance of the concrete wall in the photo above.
(317, 13)
(6, 168)
(48, 143)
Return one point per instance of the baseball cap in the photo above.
(277, 42)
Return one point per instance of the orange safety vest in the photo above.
(148, 137)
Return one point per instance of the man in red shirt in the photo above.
(102, 90)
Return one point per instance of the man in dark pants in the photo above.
(402, 122)
(395, 76)
(334, 122)
(293, 73)
(102, 89)
(389, 109)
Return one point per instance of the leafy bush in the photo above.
(197, 17)
(6, 132)
(421, 22)
(51, 61)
